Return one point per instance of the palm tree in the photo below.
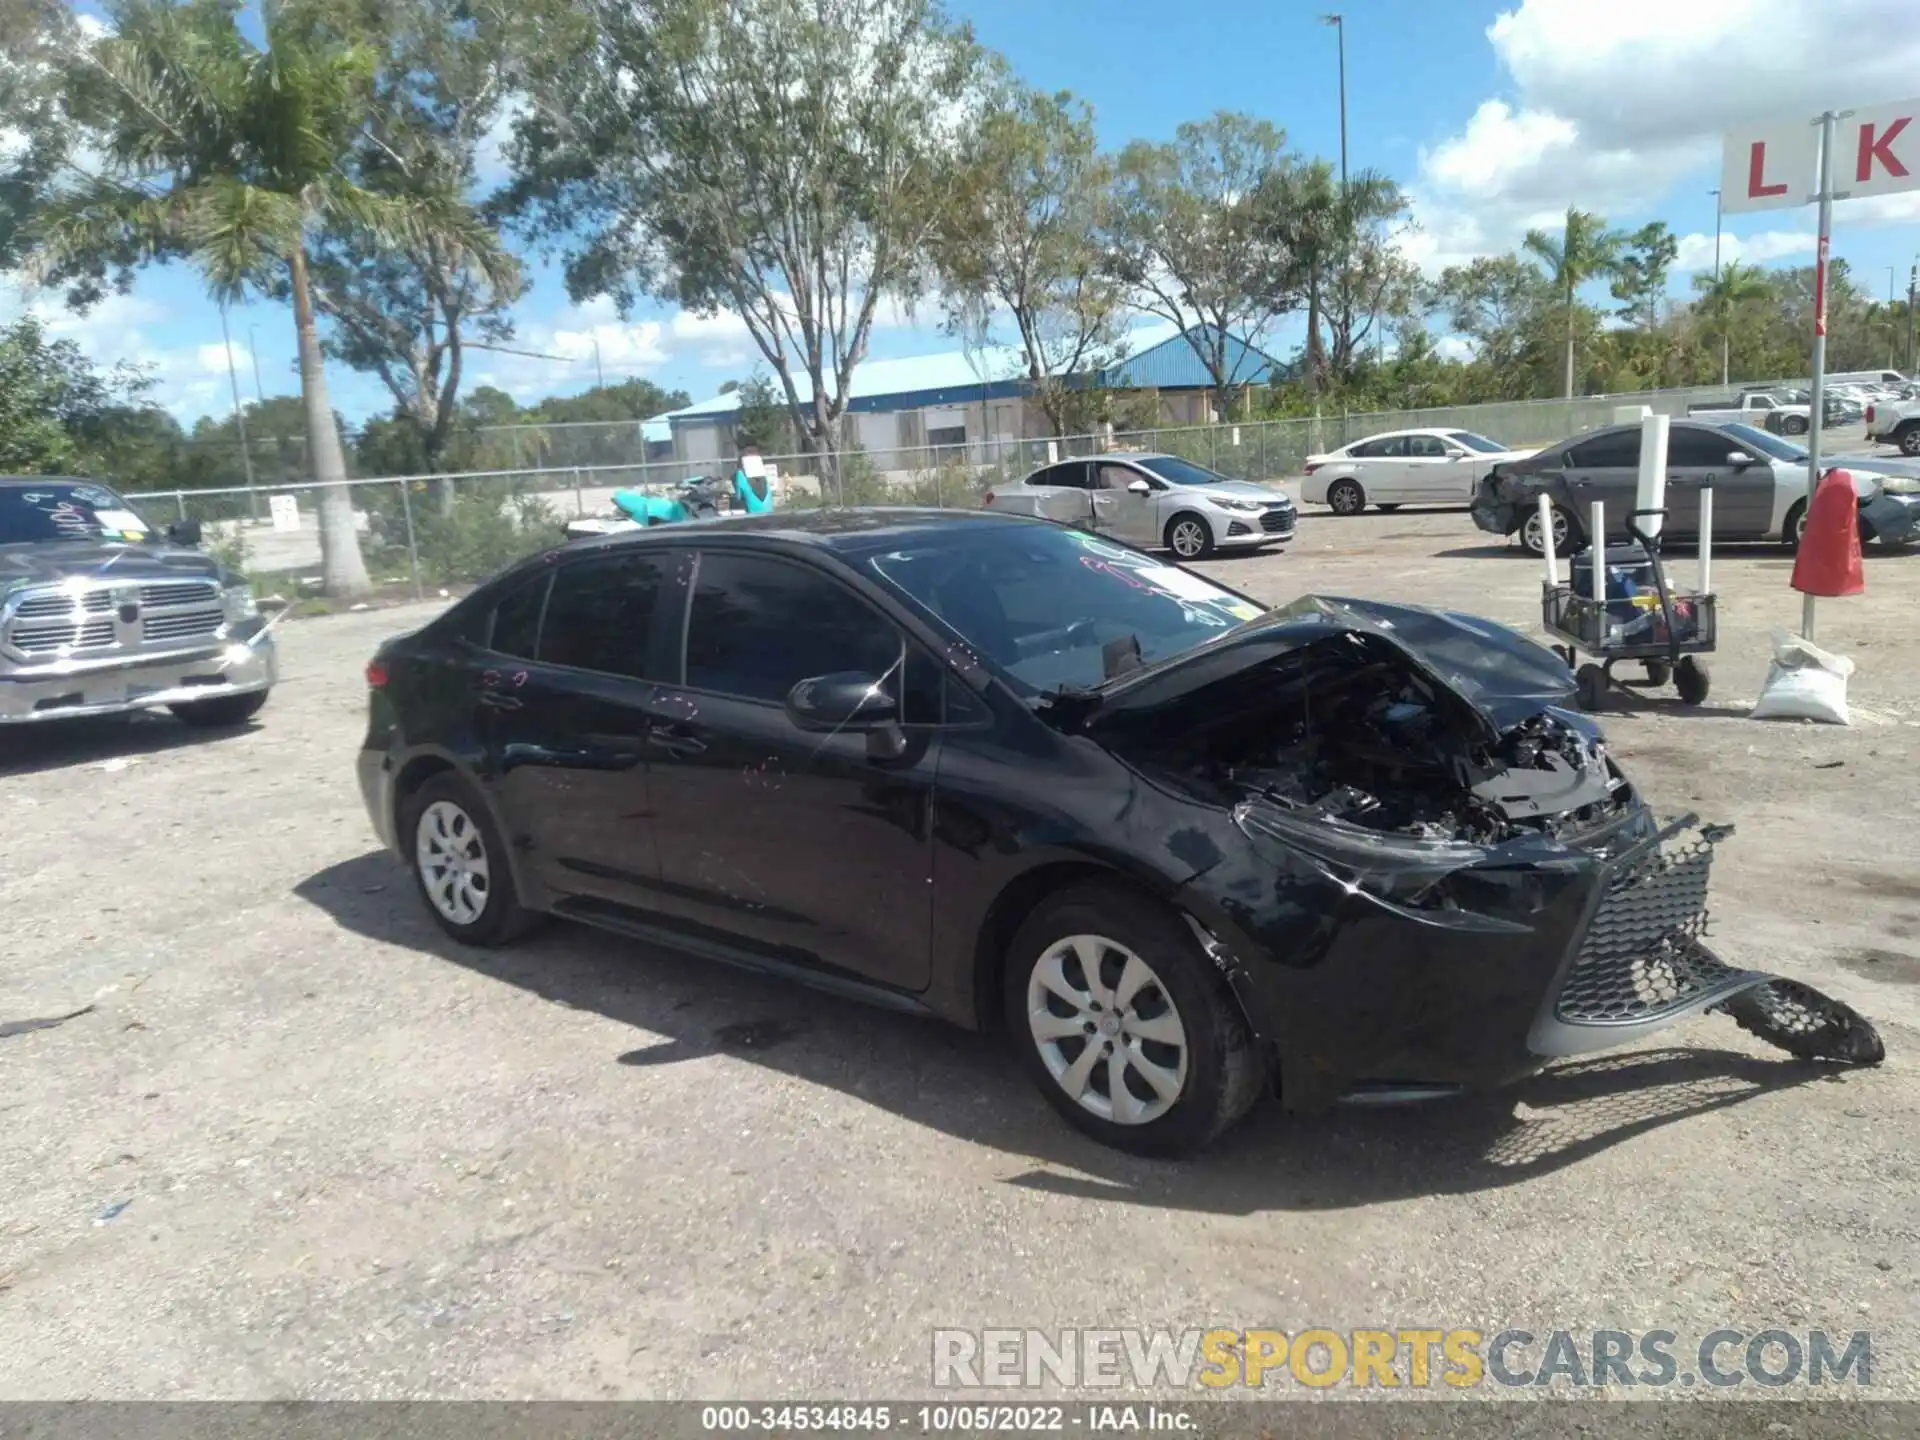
(1720, 293)
(1586, 250)
(232, 154)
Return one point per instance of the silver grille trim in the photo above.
(104, 617)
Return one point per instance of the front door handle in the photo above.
(675, 739)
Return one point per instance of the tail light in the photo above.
(986, 500)
(376, 675)
(1869, 414)
(1310, 468)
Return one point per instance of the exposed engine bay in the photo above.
(1347, 731)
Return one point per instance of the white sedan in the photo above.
(1420, 467)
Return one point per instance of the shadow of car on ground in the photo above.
(63, 744)
(971, 1087)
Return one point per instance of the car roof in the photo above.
(14, 480)
(847, 530)
(1118, 455)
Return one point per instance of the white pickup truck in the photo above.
(1755, 407)
(1895, 422)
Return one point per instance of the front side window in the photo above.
(1118, 477)
(1607, 452)
(1426, 447)
(600, 615)
(758, 626)
(1694, 448)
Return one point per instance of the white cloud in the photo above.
(1611, 108)
(1696, 250)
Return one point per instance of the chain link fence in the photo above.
(426, 533)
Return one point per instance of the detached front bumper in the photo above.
(1539, 951)
(1894, 519)
(72, 689)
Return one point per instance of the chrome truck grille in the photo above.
(100, 618)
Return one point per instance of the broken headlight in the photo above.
(238, 602)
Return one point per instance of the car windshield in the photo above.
(1476, 442)
(67, 510)
(1762, 443)
(1056, 608)
(1175, 471)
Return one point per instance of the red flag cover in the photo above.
(1828, 562)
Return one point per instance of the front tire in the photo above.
(1794, 526)
(1909, 438)
(1189, 536)
(460, 864)
(221, 712)
(1566, 533)
(1692, 679)
(1124, 1024)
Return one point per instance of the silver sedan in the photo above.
(1152, 501)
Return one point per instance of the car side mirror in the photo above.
(1739, 459)
(184, 532)
(1139, 487)
(1456, 454)
(848, 700)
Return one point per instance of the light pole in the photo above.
(239, 416)
(1913, 331)
(1716, 232)
(600, 375)
(1339, 24)
(253, 352)
(1892, 333)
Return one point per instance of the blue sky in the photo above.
(1496, 114)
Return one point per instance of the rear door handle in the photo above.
(675, 739)
(496, 700)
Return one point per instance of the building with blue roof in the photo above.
(967, 403)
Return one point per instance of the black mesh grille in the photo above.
(1641, 956)
(1276, 521)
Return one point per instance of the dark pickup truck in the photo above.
(102, 614)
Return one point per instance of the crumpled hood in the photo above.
(53, 561)
(1499, 675)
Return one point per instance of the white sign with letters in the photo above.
(1876, 151)
(286, 512)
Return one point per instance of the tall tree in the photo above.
(1586, 250)
(1369, 280)
(1199, 236)
(787, 161)
(1021, 242)
(54, 402)
(1722, 295)
(228, 152)
(1499, 304)
(1640, 282)
(406, 312)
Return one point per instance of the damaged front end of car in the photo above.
(1503, 499)
(1440, 878)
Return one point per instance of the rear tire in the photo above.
(1794, 525)
(1066, 995)
(222, 712)
(1793, 425)
(1909, 438)
(1345, 497)
(460, 863)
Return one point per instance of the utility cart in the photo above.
(1617, 605)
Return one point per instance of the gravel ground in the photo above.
(300, 1146)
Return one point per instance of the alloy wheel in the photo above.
(453, 862)
(1530, 535)
(1107, 1030)
(1345, 499)
(1189, 538)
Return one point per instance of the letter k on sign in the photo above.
(1886, 156)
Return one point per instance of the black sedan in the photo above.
(1009, 773)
